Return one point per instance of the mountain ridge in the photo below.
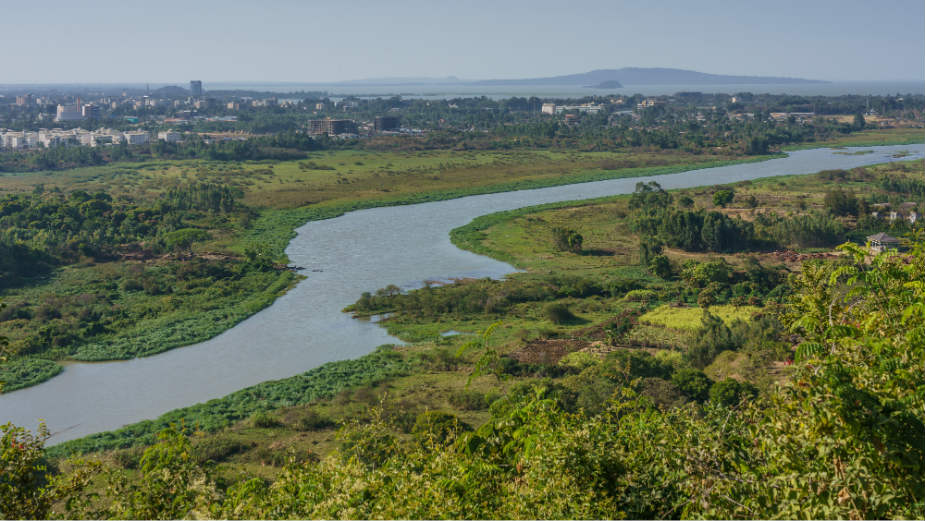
(648, 76)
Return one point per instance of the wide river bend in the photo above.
(343, 257)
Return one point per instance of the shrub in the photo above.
(693, 383)
(436, 426)
(567, 240)
(723, 197)
(730, 392)
(263, 420)
(313, 421)
(218, 448)
(712, 338)
(558, 313)
(470, 400)
(660, 266)
(665, 394)
(640, 295)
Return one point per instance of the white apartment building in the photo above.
(170, 136)
(138, 137)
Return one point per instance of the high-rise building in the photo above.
(90, 111)
(382, 123)
(69, 112)
(195, 88)
(332, 126)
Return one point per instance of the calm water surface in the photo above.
(360, 251)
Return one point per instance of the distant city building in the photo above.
(332, 126)
(138, 137)
(233, 105)
(319, 106)
(584, 108)
(69, 112)
(548, 108)
(204, 103)
(384, 123)
(90, 111)
(170, 136)
(195, 88)
(25, 99)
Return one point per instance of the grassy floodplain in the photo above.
(604, 281)
(628, 335)
(275, 198)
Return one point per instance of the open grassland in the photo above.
(689, 319)
(340, 175)
(870, 138)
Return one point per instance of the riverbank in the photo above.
(470, 325)
(188, 319)
(335, 182)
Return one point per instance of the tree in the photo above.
(723, 197)
(183, 239)
(693, 383)
(660, 266)
(730, 392)
(567, 240)
(24, 491)
(841, 203)
(859, 122)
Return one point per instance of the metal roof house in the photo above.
(881, 241)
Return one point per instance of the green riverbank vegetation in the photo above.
(618, 376)
(118, 261)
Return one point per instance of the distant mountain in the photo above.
(646, 76)
(609, 84)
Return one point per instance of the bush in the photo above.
(723, 197)
(712, 338)
(660, 266)
(263, 420)
(665, 394)
(730, 392)
(470, 400)
(567, 240)
(639, 364)
(558, 313)
(640, 295)
(218, 448)
(313, 421)
(438, 427)
(695, 384)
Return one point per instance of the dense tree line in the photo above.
(42, 229)
(282, 146)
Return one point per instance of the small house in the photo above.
(880, 242)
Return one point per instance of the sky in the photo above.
(92, 41)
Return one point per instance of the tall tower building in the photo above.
(195, 88)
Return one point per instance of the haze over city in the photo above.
(60, 41)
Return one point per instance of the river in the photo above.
(343, 257)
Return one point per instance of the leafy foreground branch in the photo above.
(845, 438)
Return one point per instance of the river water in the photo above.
(343, 257)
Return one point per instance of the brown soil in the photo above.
(547, 351)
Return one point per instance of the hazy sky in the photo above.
(308, 41)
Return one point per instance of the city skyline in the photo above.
(320, 43)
